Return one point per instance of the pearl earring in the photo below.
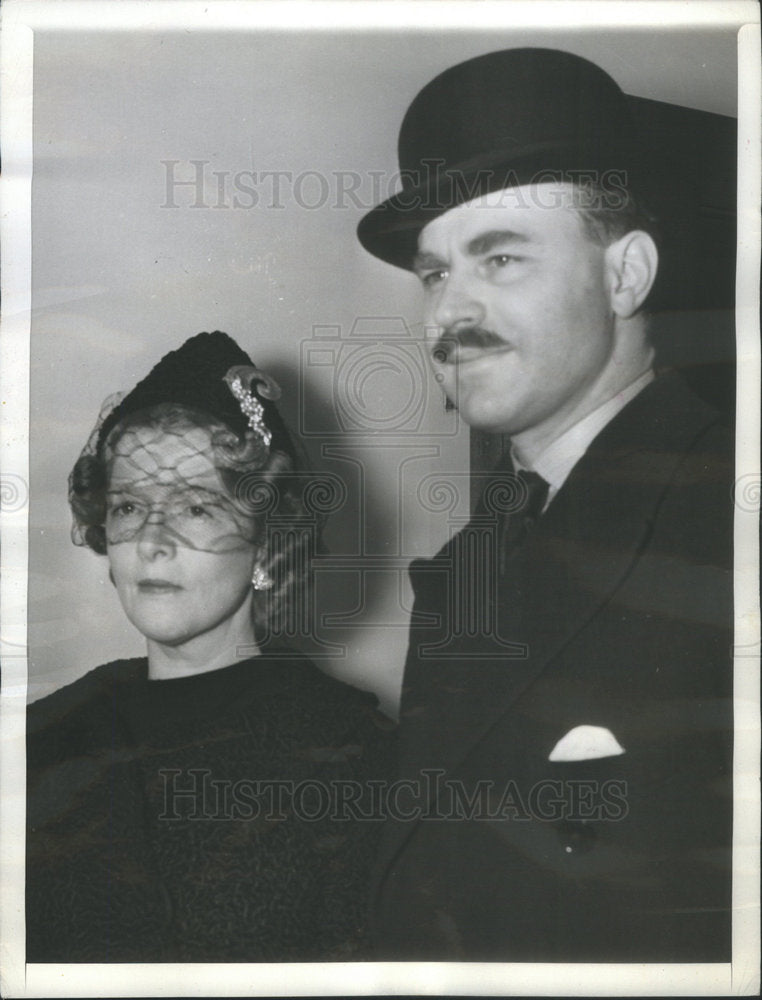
(260, 579)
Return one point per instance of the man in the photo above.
(566, 715)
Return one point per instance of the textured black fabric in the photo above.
(518, 522)
(193, 376)
(121, 869)
(615, 612)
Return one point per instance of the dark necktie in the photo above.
(516, 523)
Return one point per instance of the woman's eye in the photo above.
(123, 509)
(209, 508)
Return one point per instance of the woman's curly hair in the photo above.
(268, 488)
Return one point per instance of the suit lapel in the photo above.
(577, 556)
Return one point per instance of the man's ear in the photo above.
(632, 264)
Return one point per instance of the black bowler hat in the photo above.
(198, 375)
(518, 115)
(496, 121)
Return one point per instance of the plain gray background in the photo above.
(120, 278)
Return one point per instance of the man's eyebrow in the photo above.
(485, 242)
(424, 261)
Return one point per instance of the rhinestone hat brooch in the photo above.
(241, 379)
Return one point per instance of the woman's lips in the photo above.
(158, 586)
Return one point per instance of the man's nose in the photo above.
(457, 305)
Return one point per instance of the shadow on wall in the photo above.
(701, 345)
(343, 478)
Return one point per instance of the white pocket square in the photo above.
(586, 743)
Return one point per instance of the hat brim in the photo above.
(689, 187)
(390, 231)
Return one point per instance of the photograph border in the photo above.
(20, 20)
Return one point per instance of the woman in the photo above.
(188, 806)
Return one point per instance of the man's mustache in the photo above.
(446, 348)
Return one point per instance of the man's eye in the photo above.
(500, 260)
(432, 278)
(197, 510)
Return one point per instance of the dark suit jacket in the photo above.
(614, 613)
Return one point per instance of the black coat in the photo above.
(619, 607)
(156, 832)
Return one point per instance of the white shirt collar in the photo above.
(556, 462)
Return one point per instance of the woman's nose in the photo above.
(154, 538)
(457, 305)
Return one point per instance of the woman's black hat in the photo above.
(198, 376)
